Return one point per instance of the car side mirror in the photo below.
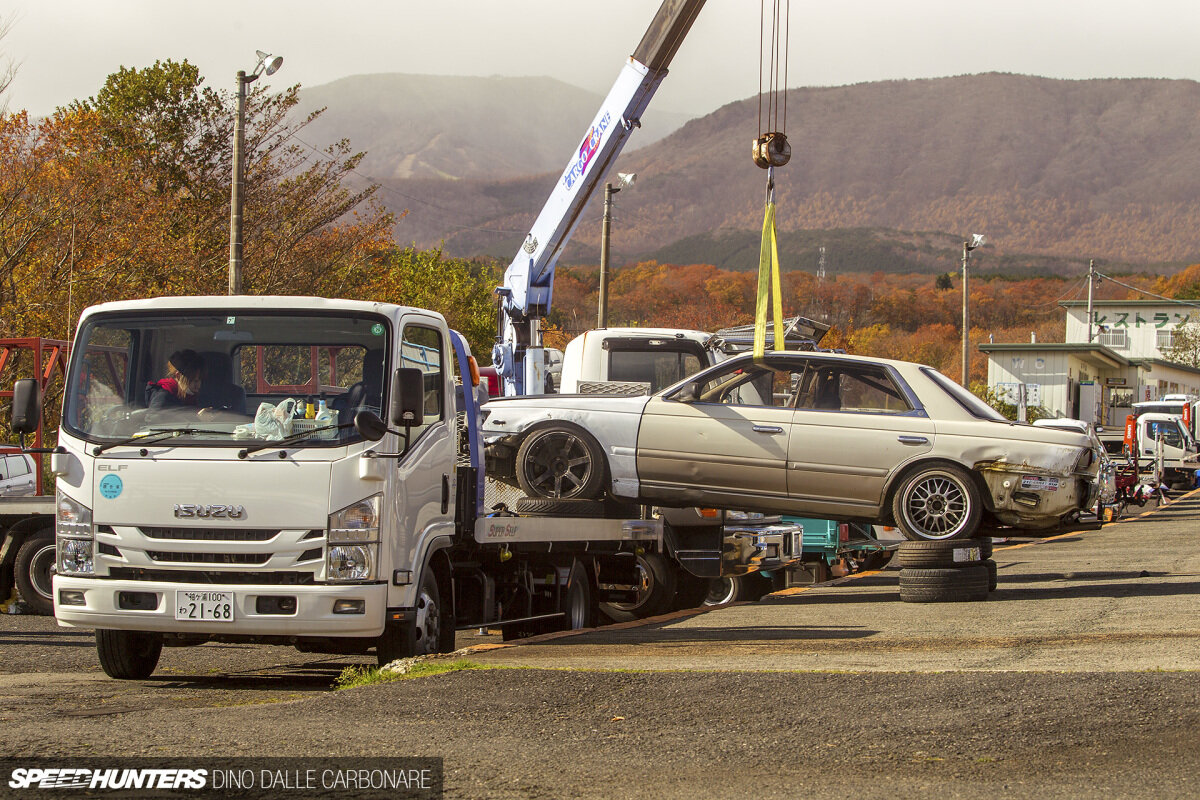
(26, 406)
(688, 393)
(407, 397)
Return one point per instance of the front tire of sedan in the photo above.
(560, 462)
(937, 501)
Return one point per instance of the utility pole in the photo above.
(605, 231)
(1091, 279)
(977, 240)
(235, 201)
(966, 320)
(268, 65)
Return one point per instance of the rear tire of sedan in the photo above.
(937, 501)
(560, 462)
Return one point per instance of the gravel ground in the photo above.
(1081, 678)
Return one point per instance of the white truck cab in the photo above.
(298, 471)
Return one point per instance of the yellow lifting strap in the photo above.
(768, 278)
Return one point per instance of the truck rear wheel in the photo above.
(579, 604)
(35, 570)
(128, 655)
(656, 591)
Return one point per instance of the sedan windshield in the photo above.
(201, 377)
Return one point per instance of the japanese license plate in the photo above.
(206, 606)
(1039, 484)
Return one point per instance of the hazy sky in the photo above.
(65, 48)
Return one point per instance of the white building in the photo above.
(1097, 381)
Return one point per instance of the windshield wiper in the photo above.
(286, 440)
(155, 436)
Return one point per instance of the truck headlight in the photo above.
(73, 518)
(351, 562)
(74, 535)
(75, 557)
(352, 541)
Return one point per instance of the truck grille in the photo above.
(210, 534)
(212, 577)
(209, 558)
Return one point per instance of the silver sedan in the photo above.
(810, 434)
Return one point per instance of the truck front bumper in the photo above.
(106, 605)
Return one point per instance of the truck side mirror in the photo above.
(407, 397)
(26, 406)
(369, 425)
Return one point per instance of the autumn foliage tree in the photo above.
(126, 194)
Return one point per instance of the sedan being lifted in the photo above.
(811, 434)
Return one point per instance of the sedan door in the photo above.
(726, 447)
(856, 423)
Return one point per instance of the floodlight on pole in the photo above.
(976, 240)
(267, 65)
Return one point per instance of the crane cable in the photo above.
(771, 149)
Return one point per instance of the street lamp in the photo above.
(626, 179)
(269, 65)
(977, 240)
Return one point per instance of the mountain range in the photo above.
(887, 175)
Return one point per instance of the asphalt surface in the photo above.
(1078, 677)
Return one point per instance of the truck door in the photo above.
(421, 501)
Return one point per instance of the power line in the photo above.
(1149, 293)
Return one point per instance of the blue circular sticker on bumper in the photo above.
(110, 487)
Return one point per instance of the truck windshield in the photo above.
(210, 377)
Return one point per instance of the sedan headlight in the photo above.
(1085, 460)
(73, 526)
(352, 542)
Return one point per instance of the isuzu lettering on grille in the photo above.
(214, 511)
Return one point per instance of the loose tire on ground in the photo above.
(561, 462)
(992, 580)
(944, 585)
(34, 568)
(937, 501)
(128, 655)
(941, 553)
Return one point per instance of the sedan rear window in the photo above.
(970, 403)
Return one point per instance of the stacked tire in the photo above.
(946, 571)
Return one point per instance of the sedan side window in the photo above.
(750, 385)
(863, 388)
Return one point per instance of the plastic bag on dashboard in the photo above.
(274, 422)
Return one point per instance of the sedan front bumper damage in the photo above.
(1025, 496)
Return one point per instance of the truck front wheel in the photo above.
(34, 571)
(422, 635)
(128, 655)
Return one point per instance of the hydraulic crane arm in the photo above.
(528, 286)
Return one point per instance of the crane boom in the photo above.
(527, 292)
